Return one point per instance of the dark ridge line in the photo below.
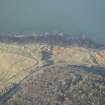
(64, 40)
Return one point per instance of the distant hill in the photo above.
(55, 39)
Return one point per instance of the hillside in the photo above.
(22, 59)
(61, 85)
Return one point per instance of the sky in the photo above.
(72, 16)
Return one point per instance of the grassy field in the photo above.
(16, 61)
(73, 55)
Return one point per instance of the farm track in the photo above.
(18, 86)
(26, 70)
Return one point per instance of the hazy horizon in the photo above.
(71, 16)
